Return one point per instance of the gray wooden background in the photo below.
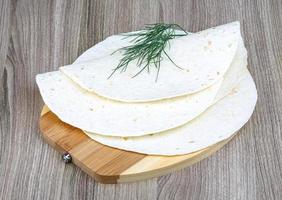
(40, 35)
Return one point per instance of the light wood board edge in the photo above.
(150, 166)
(154, 166)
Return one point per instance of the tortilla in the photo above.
(218, 123)
(93, 113)
(204, 58)
(108, 46)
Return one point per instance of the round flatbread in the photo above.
(204, 58)
(93, 113)
(218, 123)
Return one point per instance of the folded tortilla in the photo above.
(90, 112)
(218, 123)
(204, 58)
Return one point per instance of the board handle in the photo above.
(67, 158)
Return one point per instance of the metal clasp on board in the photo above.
(66, 158)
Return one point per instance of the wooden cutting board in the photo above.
(110, 165)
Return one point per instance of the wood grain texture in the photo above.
(40, 35)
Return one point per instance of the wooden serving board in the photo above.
(110, 165)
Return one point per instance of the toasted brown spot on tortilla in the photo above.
(209, 43)
(233, 91)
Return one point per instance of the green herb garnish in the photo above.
(148, 47)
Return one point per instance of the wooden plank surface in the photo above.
(40, 35)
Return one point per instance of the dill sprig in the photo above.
(149, 47)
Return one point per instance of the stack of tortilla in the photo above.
(187, 109)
